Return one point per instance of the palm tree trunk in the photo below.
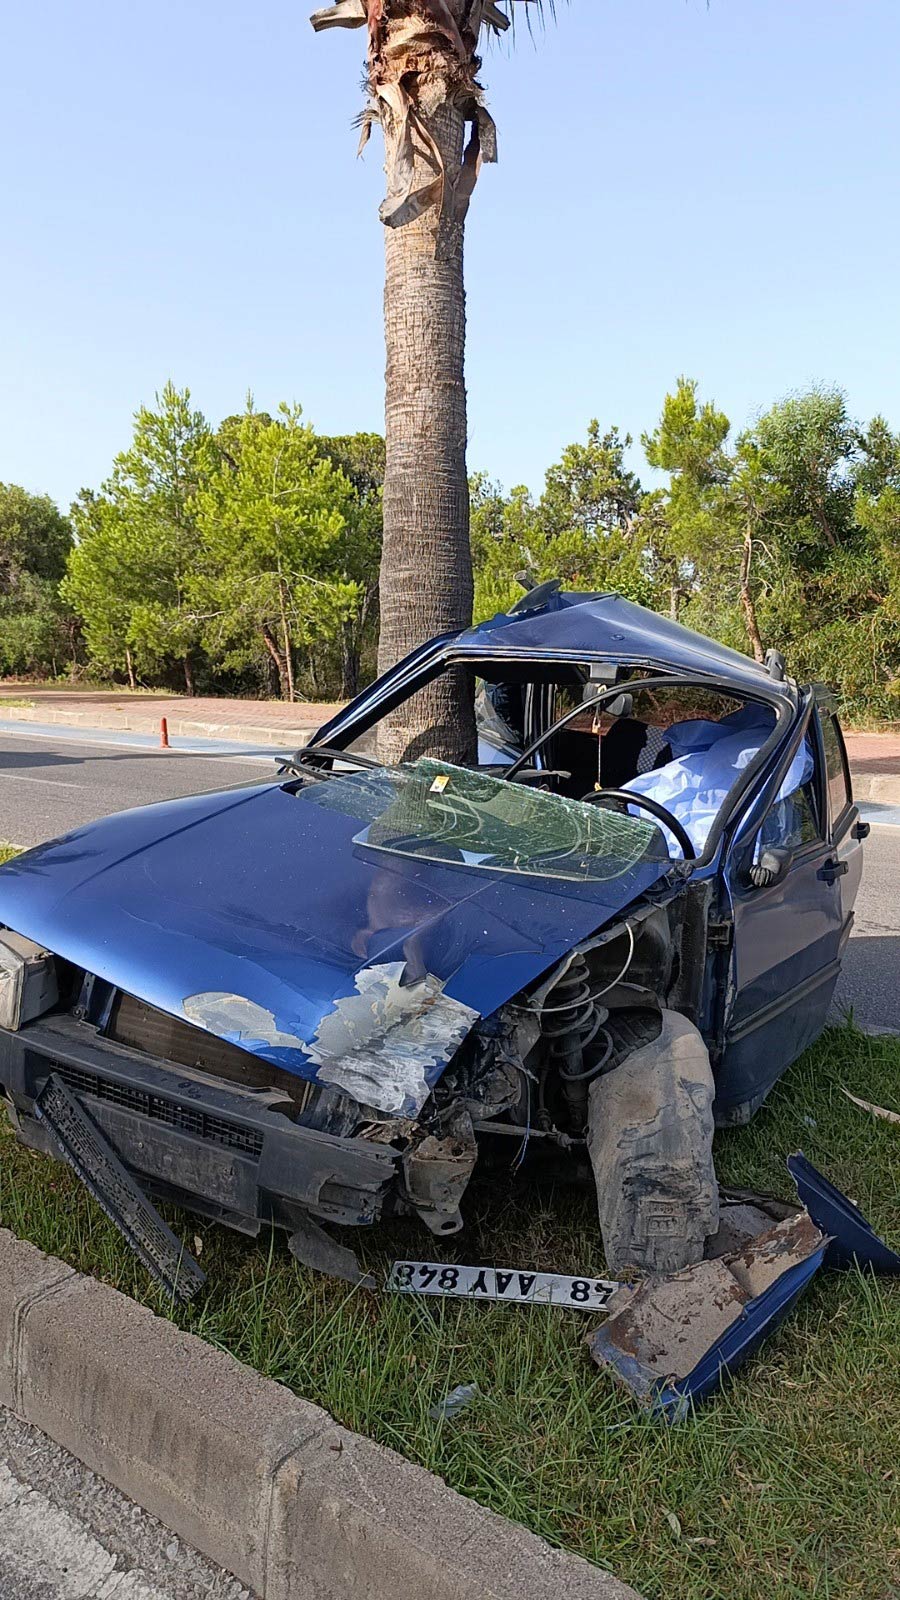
(426, 565)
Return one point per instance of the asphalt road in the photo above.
(869, 983)
(50, 784)
(67, 1535)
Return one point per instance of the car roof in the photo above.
(579, 626)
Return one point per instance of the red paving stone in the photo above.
(178, 708)
(872, 754)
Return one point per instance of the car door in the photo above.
(786, 934)
(846, 829)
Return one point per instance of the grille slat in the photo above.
(157, 1108)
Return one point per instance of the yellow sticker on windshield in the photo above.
(440, 783)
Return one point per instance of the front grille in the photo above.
(142, 1027)
(173, 1113)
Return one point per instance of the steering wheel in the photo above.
(598, 796)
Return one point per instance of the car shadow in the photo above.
(867, 989)
(30, 759)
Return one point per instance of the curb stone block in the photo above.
(350, 1517)
(264, 1483)
(25, 1275)
(189, 1433)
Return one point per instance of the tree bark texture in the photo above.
(748, 605)
(281, 665)
(426, 567)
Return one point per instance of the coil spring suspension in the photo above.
(571, 1020)
(571, 1017)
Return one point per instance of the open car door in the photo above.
(790, 878)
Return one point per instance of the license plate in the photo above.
(501, 1284)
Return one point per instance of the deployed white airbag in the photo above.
(709, 756)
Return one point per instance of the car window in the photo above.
(835, 768)
(794, 818)
(434, 811)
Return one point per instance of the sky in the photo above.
(682, 188)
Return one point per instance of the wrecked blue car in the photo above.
(325, 998)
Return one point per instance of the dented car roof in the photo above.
(582, 625)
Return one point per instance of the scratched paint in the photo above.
(383, 1043)
(234, 1017)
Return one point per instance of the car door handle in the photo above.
(861, 830)
(831, 870)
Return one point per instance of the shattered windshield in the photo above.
(438, 812)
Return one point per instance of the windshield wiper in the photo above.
(327, 753)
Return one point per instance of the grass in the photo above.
(7, 851)
(786, 1485)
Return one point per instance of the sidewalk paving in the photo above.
(257, 722)
(875, 765)
(874, 757)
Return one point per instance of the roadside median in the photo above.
(261, 1481)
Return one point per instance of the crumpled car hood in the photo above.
(255, 916)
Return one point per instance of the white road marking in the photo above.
(54, 783)
(880, 816)
(42, 1542)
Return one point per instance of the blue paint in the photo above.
(570, 627)
(256, 893)
(253, 892)
(853, 1240)
(848, 1240)
(758, 1319)
(584, 625)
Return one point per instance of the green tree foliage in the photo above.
(248, 557)
(585, 528)
(275, 568)
(37, 633)
(130, 573)
(361, 458)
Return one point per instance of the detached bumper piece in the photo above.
(853, 1241)
(672, 1340)
(83, 1146)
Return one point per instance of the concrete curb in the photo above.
(265, 1484)
(179, 728)
(883, 787)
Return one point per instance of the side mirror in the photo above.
(774, 864)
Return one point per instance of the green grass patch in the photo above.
(787, 1485)
(7, 851)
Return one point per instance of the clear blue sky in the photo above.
(682, 188)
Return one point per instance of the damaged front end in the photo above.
(412, 1087)
(400, 975)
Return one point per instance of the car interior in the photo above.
(677, 750)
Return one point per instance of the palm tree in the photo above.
(423, 91)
